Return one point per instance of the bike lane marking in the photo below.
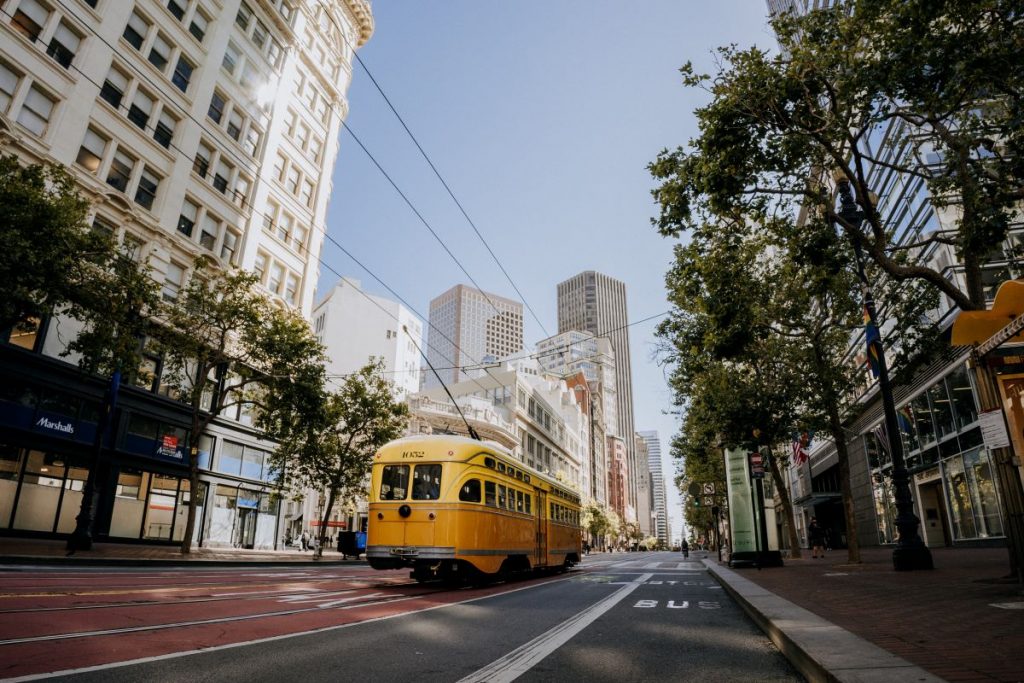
(523, 658)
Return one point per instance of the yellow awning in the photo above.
(975, 327)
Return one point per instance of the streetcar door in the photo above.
(542, 529)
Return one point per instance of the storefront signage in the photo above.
(741, 504)
(168, 446)
(993, 429)
(756, 466)
(56, 424)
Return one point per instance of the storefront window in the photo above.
(40, 492)
(252, 463)
(923, 419)
(222, 522)
(942, 409)
(163, 493)
(27, 336)
(71, 505)
(959, 496)
(181, 517)
(10, 463)
(979, 475)
(905, 421)
(129, 504)
(205, 449)
(885, 507)
(963, 397)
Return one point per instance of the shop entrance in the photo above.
(245, 528)
(934, 520)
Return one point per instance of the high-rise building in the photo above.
(577, 353)
(596, 303)
(469, 327)
(644, 490)
(355, 326)
(662, 524)
(195, 128)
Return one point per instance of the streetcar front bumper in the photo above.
(406, 556)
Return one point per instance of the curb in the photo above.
(817, 648)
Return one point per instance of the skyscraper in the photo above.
(596, 303)
(662, 528)
(468, 327)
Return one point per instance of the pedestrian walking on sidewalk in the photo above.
(686, 549)
(816, 538)
(305, 540)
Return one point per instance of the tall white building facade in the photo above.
(596, 303)
(194, 128)
(659, 509)
(469, 327)
(355, 326)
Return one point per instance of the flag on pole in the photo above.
(874, 343)
(801, 446)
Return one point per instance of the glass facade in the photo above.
(940, 425)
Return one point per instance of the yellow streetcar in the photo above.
(455, 508)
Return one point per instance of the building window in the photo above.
(64, 45)
(235, 124)
(216, 111)
(208, 237)
(276, 276)
(165, 126)
(176, 9)
(307, 193)
(201, 163)
(222, 176)
(259, 267)
(136, 30)
(198, 26)
(284, 226)
(243, 17)
(172, 281)
(299, 237)
(230, 60)
(140, 110)
(187, 219)
(182, 73)
(90, 154)
(227, 249)
(160, 52)
(36, 111)
(291, 290)
(252, 140)
(114, 87)
(30, 18)
(8, 83)
(120, 171)
(146, 191)
(292, 180)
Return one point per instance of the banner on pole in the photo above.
(741, 504)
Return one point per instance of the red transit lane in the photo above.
(109, 621)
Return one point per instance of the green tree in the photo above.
(949, 75)
(595, 521)
(225, 346)
(335, 452)
(49, 257)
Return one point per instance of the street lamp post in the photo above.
(910, 553)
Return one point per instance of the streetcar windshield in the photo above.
(394, 482)
(426, 482)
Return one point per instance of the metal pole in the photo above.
(910, 553)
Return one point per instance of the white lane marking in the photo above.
(270, 639)
(523, 658)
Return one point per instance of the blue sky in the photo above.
(542, 117)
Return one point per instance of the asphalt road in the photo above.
(619, 617)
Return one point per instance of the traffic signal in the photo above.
(696, 501)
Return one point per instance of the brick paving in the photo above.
(942, 620)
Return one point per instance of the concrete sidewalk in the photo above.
(38, 551)
(867, 622)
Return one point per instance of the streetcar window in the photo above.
(489, 462)
(501, 467)
(470, 491)
(526, 478)
(519, 475)
(394, 482)
(426, 482)
(519, 501)
(501, 496)
(528, 504)
(489, 495)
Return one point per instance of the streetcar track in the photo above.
(153, 588)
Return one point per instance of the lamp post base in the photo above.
(907, 558)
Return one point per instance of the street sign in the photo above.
(709, 488)
(756, 466)
(709, 500)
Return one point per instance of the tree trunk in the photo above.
(787, 504)
(332, 493)
(836, 426)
